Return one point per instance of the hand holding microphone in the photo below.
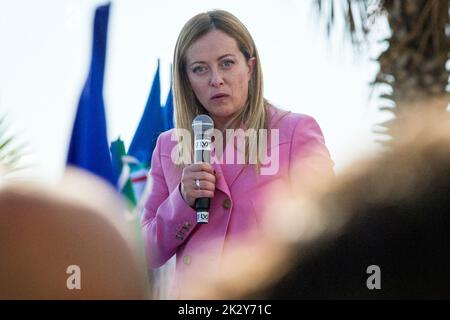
(198, 180)
(204, 174)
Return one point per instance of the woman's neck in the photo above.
(219, 124)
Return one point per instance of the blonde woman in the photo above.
(216, 71)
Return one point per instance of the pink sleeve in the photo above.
(310, 159)
(167, 219)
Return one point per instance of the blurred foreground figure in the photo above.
(67, 242)
(381, 231)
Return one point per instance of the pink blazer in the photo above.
(169, 224)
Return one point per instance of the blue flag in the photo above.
(168, 111)
(150, 126)
(89, 142)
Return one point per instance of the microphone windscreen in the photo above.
(202, 124)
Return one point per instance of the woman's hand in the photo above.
(207, 182)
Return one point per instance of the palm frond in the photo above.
(357, 16)
(11, 151)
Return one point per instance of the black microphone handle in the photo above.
(202, 208)
(202, 204)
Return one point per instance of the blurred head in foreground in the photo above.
(67, 242)
(382, 230)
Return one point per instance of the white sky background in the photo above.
(45, 49)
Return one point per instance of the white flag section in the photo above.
(163, 280)
(139, 181)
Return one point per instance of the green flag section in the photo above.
(132, 175)
(124, 183)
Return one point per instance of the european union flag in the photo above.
(89, 142)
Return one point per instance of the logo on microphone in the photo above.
(203, 145)
(202, 217)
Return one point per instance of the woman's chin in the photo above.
(222, 117)
(221, 112)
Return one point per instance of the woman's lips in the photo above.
(219, 96)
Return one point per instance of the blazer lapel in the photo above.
(231, 167)
(221, 183)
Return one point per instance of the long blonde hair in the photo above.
(253, 114)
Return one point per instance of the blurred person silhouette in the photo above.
(380, 231)
(217, 72)
(67, 241)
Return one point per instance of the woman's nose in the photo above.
(216, 79)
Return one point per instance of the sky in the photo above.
(45, 49)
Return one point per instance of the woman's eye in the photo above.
(198, 69)
(227, 63)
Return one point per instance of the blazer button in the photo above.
(187, 260)
(187, 225)
(180, 236)
(226, 204)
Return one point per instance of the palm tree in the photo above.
(413, 67)
(11, 152)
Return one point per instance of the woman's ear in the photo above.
(251, 66)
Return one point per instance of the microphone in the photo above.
(202, 125)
